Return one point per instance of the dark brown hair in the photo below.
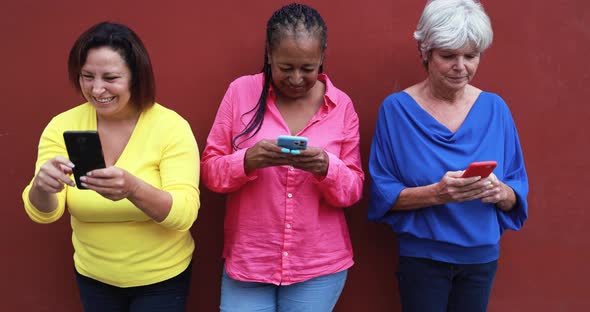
(125, 42)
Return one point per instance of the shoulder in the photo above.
(78, 111)
(163, 117)
(332, 92)
(248, 81)
(396, 100)
(493, 99)
(79, 117)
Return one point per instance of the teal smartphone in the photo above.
(292, 142)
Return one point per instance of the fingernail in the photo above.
(285, 150)
(82, 178)
(70, 164)
(295, 152)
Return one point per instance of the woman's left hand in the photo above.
(312, 159)
(499, 193)
(113, 183)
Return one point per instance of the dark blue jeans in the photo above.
(166, 296)
(427, 286)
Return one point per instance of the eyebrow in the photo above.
(82, 71)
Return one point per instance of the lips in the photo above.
(106, 100)
(457, 79)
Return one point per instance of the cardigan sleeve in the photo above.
(51, 144)
(179, 172)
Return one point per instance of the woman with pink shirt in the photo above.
(286, 246)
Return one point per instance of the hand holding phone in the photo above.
(292, 144)
(479, 168)
(85, 151)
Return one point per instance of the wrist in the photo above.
(435, 194)
(247, 167)
(509, 200)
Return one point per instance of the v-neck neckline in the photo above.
(121, 157)
(435, 121)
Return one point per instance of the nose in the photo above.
(296, 78)
(459, 63)
(97, 87)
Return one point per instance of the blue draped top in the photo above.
(410, 148)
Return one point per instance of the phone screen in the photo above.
(85, 151)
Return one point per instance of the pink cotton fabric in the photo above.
(284, 225)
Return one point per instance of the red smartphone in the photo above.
(479, 168)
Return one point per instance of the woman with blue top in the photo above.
(448, 227)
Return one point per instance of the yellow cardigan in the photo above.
(114, 241)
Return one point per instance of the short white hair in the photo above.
(452, 24)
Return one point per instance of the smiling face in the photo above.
(295, 62)
(105, 82)
(453, 69)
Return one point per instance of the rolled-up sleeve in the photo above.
(343, 184)
(223, 168)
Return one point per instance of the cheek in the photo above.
(277, 76)
(83, 84)
(311, 79)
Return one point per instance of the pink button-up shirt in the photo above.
(284, 225)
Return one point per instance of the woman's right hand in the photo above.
(52, 175)
(265, 153)
(453, 188)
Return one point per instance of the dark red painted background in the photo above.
(538, 63)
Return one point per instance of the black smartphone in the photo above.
(85, 151)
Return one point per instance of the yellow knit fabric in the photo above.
(115, 242)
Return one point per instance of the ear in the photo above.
(424, 56)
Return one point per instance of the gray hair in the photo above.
(452, 24)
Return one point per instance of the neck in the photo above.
(309, 95)
(442, 94)
(127, 118)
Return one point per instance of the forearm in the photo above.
(412, 198)
(224, 174)
(153, 202)
(44, 202)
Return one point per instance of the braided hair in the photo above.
(290, 19)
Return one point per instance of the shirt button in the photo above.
(288, 225)
(285, 253)
(290, 168)
(289, 195)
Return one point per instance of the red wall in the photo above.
(538, 63)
